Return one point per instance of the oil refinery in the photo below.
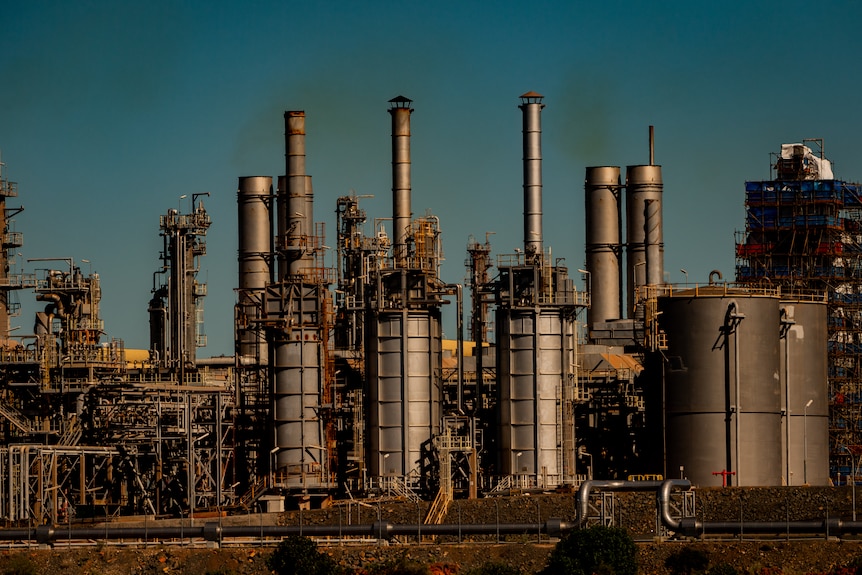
(342, 385)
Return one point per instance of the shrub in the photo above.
(399, 566)
(297, 555)
(687, 561)
(594, 550)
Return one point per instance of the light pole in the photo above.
(805, 442)
(588, 277)
(853, 479)
(686, 275)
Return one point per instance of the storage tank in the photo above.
(804, 392)
(722, 390)
(603, 242)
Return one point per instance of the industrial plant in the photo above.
(342, 385)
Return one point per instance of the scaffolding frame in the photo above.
(805, 235)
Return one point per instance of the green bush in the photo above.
(597, 550)
(297, 555)
(687, 561)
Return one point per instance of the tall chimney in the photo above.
(531, 106)
(298, 217)
(603, 242)
(400, 110)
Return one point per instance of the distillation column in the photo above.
(254, 226)
(404, 358)
(535, 344)
(296, 306)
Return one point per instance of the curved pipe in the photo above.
(611, 485)
(712, 278)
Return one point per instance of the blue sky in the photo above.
(110, 111)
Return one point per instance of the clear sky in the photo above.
(110, 111)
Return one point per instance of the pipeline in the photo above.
(691, 527)
(214, 532)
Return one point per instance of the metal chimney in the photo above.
(254, 199)
(603, 242)
(298, 217)
(400, 110)
(644, 225)
(531, 106)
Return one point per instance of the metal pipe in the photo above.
(400, 110)
(531, 108)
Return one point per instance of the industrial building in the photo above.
(343, 386)
(802, 234)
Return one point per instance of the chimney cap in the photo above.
(531, 97)
(400, 102)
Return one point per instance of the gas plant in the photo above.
(342, 385)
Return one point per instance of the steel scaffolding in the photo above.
(805, 234)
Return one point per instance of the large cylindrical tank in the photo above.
(404, 391)
(535, 357)
(296, 364)
(603, 242)
(722, 390)
(644, 235)
(254, 206)
(804, 392)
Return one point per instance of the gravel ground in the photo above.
(635, 511)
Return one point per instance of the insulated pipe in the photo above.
(603, 242)
(400, 110)
(531, 108)
(583, 498)
(47, 534)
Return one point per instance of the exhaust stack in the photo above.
(295, 210)
(603, 243)
(531, 106)
(400, 110)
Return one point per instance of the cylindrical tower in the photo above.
(644, 236)
(254, 226)
(603, 242)
(297, 214)
(400, 110)
(804, 392)
(531, 108)
(722, 390)
(403, 342)
(535, 342)
(535, 359)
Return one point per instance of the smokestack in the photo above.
(298, 217)
(400, 110)
(254, 199)
(531, 106)
(603, 242)
(644, 236)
